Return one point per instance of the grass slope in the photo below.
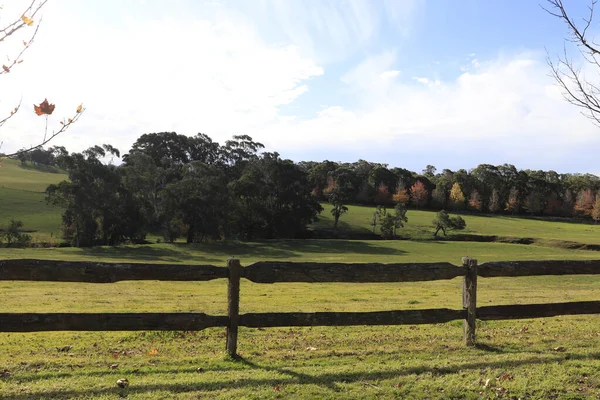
(359, 218)
(22, 197)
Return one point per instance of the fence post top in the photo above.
(469, 262)
(233, 261)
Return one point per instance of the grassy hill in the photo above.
(358, 219)
(22, 197)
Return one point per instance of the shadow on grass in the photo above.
(144, 253)
(287, 377)
(291, 248)
(42, 168)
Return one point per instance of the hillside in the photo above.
(22, 197)
(358, 219)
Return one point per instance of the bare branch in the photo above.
(64, 126)
(12, 113)
(577, 90)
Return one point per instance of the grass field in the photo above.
(552, 358)
(419, 225)
(22, 197)
(427, 361)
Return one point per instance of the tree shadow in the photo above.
(328, 381)
(142, 253)
(292, 248)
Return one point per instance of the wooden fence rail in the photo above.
(272, 272)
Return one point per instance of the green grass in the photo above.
(426, 361)
(419, 225)
(22, 197)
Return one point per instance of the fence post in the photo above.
(233, 305)
(470, 300)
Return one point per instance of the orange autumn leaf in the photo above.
(44, 108)
(153, 352)
(28, 21)
(79, 108)
(5, 68)
(70, 120)
(24, 43)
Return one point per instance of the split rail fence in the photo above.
(271, 272)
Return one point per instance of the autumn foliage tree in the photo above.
(475, 200)
(400, 197)
(596, 210)
(382, 196)
(23, 28)
(457, 198)
(584, 203)
(512, 204)
(419, 194)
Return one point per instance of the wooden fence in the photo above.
(271, 272)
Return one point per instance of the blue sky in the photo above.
(406, 82)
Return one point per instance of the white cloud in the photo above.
(509, 110)
(389, 74)
(428, 82)
(155, 74)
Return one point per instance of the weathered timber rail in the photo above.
(275, 272)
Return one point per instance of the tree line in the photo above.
(501, 189)
(198, 189)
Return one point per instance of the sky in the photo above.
(402, 82)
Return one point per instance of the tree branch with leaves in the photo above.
(9, 33)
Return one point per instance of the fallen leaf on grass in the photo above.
(4, 373)
(114, 366)
(199, 370)
(310, 348)
(559, 348)
(504, 377)
(153, 352)
(277, 388)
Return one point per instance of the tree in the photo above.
(419, 194)
(400, 217)
(533, 203)
(596, 210)
(512, 204)
(584, 203)
(475, 200)
(382, 196)
(400, 197)
(576, 87)
(438, 197)
(429, 171)
(98, 209)
(457, 198)
(444, 221)
(22, 27)
(337, 201)
(494, 203)
(13, 236)
(386, 223)
(568, 203)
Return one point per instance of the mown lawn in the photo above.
(544, 358)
